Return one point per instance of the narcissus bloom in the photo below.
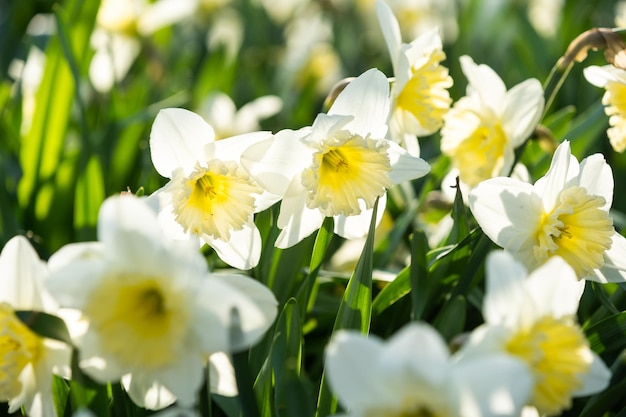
(27, 360)
(533, 318)
(336, 168)
(565, 213)
(210, 196)
(483, 129)
(419, 95)
(613, 80)
(154, 313)
(413, 374)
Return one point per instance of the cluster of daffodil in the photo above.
(144, 310)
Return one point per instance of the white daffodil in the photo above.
(565, 213)
(482, 130)
(154, 312)
(219, 110)
(419, 95)
(613, 80)
(28, 360)
(336, 168)
(210, 196)
(413, 374)
(533, 318)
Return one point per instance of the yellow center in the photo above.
(615, 100)
(214, 201)
(558, 355)
(19, 346)
(347, 169)
(480, 155)
(425, 96)
(140, 320)
(577, 229)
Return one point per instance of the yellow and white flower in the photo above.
(533, 318)
(210, 196)
(419, 95)
(482, 130)
(413, 374)
(154, 313)
(613, 80)
(28, 360)
(565, 213)
(336, 168)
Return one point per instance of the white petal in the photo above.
(600, 76)
(164, 13)
(505, 295)
(21, 275)
(391, 30)
(256, 321)
(367, 99)
(177, 140)
(596, 380)
(555, 289)
(483, 81)
(184, 378)
(247, 118)
(357, 226)
(112, 59)
(242, 250)
(508, 211)
(274, 162)
(232, 148)
(222, 375)
(351, 371)
(296, 220)
(597, 177)
(404, 166)
(492, 385)
(150, 395)
(550, 185)
(523, 106)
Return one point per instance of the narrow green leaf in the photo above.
(247, 398)
(392, 292)
(89, 196)
(608, 336)
(419, 274)
(355, 310)
(451, 319)
(45, 325)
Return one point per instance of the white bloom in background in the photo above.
(336, 168)
(219, 110)
(565, 213)
(210, 196)
(27, 360)
(419, 95)
(613, 80)
(154, 312)
(533, 318)
(413, 374)
(483, 129)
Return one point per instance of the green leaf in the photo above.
(451, 319)
(392, 292)
(355, 310)
(419, 274)
(89, 196)
(608, 336)
(45, 325)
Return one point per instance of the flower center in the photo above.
(214, 201)
(425, 96)
(558, 354)
(577, 229)
(19, 346)
(140, 323)
(348, 168)
(480, 155)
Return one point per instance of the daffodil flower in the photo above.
(336, 168)
(419, 95)
(482, 130)
(533, 318)
(413, 374)
(210, 196)
(154, 313)
(565, 213)
(613, 80)
(27, 360)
